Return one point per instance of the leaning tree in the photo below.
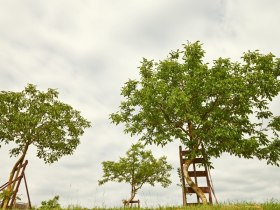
(139, 167)
(32, 117)
(211, 109)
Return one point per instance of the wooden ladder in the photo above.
(194, 174)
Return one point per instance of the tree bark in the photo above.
(11, 186)
(132, 196)
(197, 190)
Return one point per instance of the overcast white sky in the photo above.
(87, 49)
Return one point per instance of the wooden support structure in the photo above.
(18, 176)
(126, 203)
(194, 174)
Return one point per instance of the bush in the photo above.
(51, 204)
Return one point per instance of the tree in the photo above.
(211, 109)
(139, 167)
(32, 117)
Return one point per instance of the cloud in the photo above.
(245, 180)
(87, 50)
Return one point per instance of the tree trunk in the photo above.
(187, 164)
(132, 196)
(197, 190)
(11, 186)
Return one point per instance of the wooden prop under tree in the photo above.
(195, 174)
(14, 185)
(131, 202)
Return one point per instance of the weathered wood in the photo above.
(197, 173)
(196, 160)
(204, 189)
(126, 203)
(181, 155)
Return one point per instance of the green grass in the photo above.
(273, 205)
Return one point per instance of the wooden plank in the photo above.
(134, 201)
(204, 189)
(198, 160)
(184, 152)
(197, 173)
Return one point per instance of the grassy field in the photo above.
(238, 206)
(53, 204)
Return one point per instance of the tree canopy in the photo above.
(223, 107)
(137, 168)
(32, 117)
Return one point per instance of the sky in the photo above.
(88, 49)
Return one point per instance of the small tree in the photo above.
(32, 117)
(210, 109)
(50, 204)
(139, 167)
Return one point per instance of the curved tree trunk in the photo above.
(187, 164)
(11, 186)
(197, 190)
(132, 196)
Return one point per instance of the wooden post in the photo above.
(182, 177)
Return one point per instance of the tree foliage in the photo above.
(32, 117)
(50, 204)
(137, 168)
(223, 106)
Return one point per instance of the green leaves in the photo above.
(38, 118)
(50, 204)
(227, 103)
(275, 123)
(137, 168)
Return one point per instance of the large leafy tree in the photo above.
(139, 167)
(211, 109)
(32, 117)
